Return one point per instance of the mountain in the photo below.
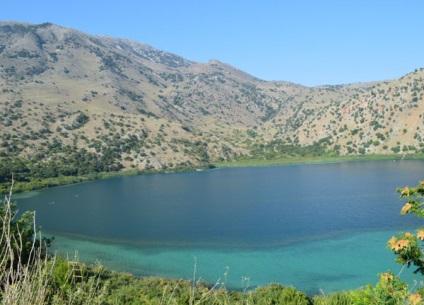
(73, 103)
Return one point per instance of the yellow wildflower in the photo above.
(386, 276)
(420, 234)
(406, 208)
(403, 242)
(392, 242)
(398, 245)
(405, 191)
(415, 298)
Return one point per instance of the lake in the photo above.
(317, 227)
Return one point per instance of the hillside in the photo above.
(73, 104)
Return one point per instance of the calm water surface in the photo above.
(321, 227)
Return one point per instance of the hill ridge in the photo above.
(67, 95)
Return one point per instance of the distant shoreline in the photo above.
(38, 184)
(312, 160)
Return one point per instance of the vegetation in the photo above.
(137, 117)
(26, 182)
(319, 159)
(22, 232)
(41, 183)
(408, 249)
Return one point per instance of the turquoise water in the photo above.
(314, 267)
(320, 228)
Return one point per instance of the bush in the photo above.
(338, 298)
(278, 294)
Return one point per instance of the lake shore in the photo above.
(320, 159)
(38, 184)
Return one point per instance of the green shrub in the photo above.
(338, 298)
(278, 294)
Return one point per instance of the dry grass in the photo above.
(32, 281)
(22, 282)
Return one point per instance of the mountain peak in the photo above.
(65, 92)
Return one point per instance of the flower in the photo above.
(402, 244)
(398, 245)
(415, 298)
(386, 276)
(405, 191)
(392, 242)
(406, 208)
(420, 234)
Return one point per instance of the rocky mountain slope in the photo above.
(69, 100)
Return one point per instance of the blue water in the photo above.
(321, 227)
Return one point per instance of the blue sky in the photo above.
(310, 42)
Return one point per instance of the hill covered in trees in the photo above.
(73, 104)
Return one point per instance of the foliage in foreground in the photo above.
(408, 250)
(28, 276)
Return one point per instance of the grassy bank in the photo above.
(42, 183)
(312, 160)
(37, 183)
